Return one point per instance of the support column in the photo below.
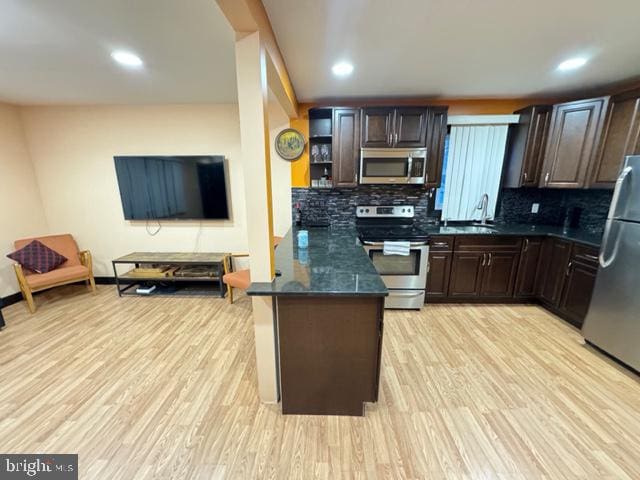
(251, 71)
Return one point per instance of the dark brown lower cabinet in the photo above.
(528, 267)
(577, 292)
(329, 350)
(559, 273)
(466, 274)
(555, 258)
(499, 274)
(438, 276)
(568, 275)
(484, 266)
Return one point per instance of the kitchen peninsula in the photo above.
(329, 307)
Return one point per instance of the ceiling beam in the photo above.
(249, 16)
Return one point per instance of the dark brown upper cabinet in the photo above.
(377, 127)
(527, 141)
(575, 127)
(620, 137)
(401, 127)
(437, 133)
(410, 127)
(345, 146)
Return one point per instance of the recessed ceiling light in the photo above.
(572, 64)
(127, 59)
(342, 69)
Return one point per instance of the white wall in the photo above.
(280, 171)
(72, 150)
(20, 202)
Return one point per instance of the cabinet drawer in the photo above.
(441, 244)
(495, 243)
(585, 255)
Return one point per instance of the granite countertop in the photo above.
(574, 235)
(335, 263)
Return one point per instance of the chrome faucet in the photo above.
(483, 205)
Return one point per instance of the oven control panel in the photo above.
(395, 211)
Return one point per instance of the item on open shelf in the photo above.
(146, 290)
(315, 154)
(193, 271)
(325, 152)
(152, 272)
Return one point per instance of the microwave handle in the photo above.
(409, 168)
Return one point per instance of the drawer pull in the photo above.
(591, 257)
(440, 244)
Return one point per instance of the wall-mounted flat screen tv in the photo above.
(176, 187)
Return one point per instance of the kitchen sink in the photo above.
(466, 229)
(480, 229)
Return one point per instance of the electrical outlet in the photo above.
(535, 207)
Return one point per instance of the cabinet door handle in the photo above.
(390, 138)
(546, 179)
(569, 268)
(484, 259)
(490, 257)
(525, 176)
(396, 140)
(526, 245)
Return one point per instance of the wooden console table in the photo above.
(126, 281)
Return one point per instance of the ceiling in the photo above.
(58, 51)
(461, 48)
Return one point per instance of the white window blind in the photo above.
(474, 167)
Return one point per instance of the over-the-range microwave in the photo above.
(393, 165)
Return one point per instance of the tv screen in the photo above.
(178, 187)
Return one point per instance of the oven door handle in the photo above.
(411, 293)
(381, 244)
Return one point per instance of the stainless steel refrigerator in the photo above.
(613, 321)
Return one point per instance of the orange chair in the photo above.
(240, 278)
(78, 267)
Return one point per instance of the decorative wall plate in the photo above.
(290, 144)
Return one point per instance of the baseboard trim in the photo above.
(17, 297)
(10, 299)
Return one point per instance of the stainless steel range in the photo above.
(398, 249)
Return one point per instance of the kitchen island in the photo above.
(328, 309)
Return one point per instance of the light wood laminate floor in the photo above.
(166, 388)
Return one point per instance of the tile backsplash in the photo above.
(337, 206)
(515, 206)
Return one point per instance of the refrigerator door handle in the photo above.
(616, 193)
(605, 263)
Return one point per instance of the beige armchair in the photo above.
(240, 278)
(78, 267)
